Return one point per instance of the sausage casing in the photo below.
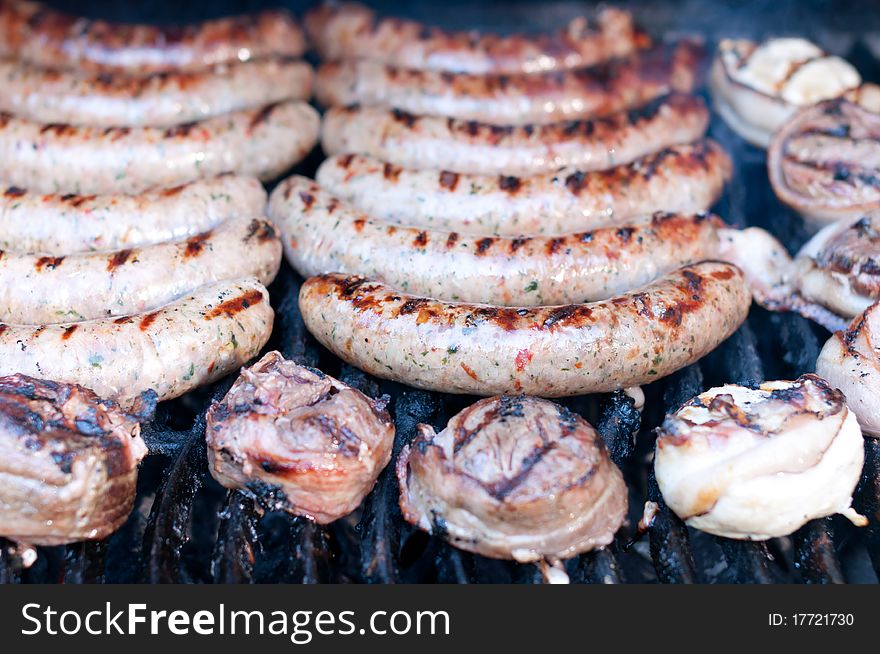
(190, 342)
(60, 158)
(33, 32)
(60, 224)
(50, 95)
(37, 289)
(514, 99)
(436, 143)
(322, 234)
(352, 31)
(682, 179)
(549, 351)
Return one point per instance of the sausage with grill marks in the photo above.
(52, 95)
(33, 32)
(59, 224)
(60, 158)
(435, 143)
(352, 31)
(685, 179)
(514, 99)
(322, 234)
(549, 351)
(188, 343)
(38, 289)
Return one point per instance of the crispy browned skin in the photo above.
(684, 179)
(68, 460)
(549, 351)
(515, 99)
(35, 33)
(463, 146)
(825, 161)
(53, 95)
(299, 440)
(322, 234)
(514, 478)
(353, 31)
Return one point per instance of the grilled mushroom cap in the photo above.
(69, 461)
(757, 87)
(825, 162)
(756, 463)
(840, 266)
(513, 478)
(850, 361)
(298, 440)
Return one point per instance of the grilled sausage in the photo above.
(36, 289)
(35, 33)
(57, 158)
(67, 224)
(825, 162)
(513, 478)
(51, 95)
(430, 142)
(514, 99)
(759, 463)
(322, 234)
(188, 343)
(69, 461)
(352, 31)
(550, 351)
(685, 179)
(318, 444)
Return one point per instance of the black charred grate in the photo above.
(186, 528)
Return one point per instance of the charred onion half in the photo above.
(513, 478)
(825, 162)
(298, 440)
(850, 361)
(757, 463)
(69, 461)
(757, 87)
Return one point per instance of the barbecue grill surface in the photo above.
(186, 528)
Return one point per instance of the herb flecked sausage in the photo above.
(50, 95)
(352, 31)
(683, 179)
(61, 224)
(36, 289)
(322, 234)
(188, 343)
(61, 158)
(33, 32)
(463, 146)
(549, 351)
(514, 99)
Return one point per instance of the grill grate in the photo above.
(186, 528)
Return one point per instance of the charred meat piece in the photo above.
(757, 463)
(513, 478)
(850, 361)
(298, 439)
(840, 267)
(69, 461)
(757, 87)
(825, 162)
